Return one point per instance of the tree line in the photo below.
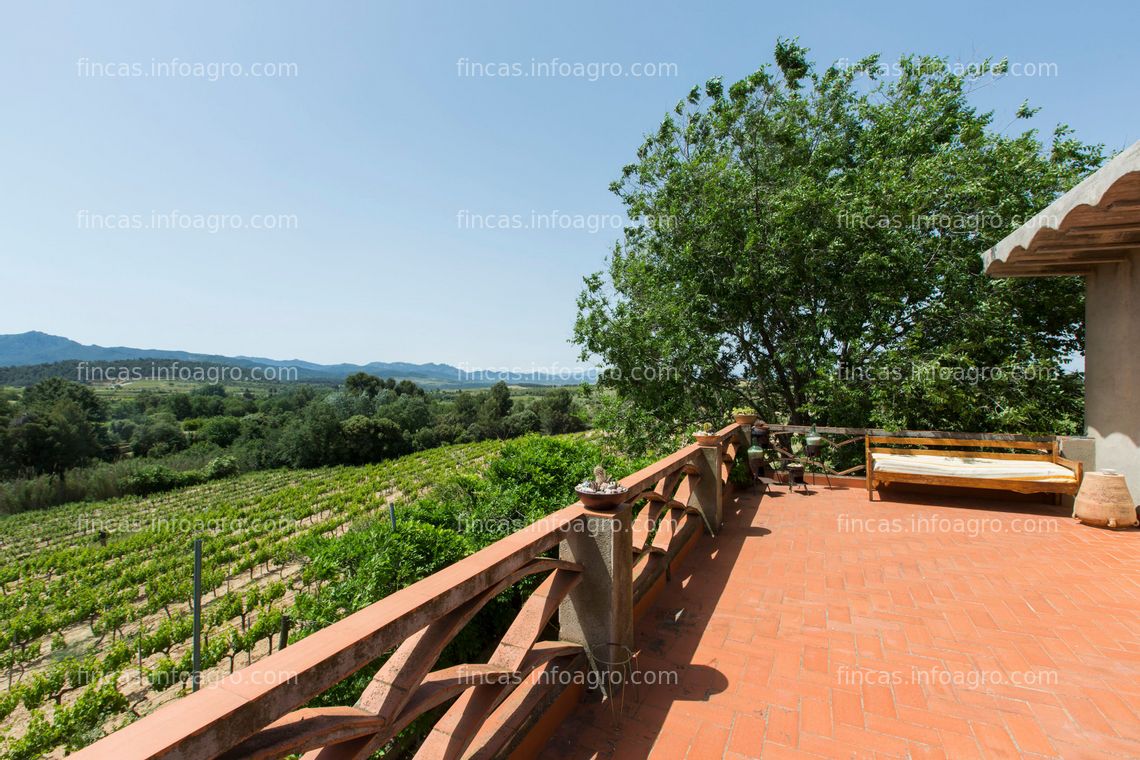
(61, 441)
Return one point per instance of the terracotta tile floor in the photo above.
(823, 625)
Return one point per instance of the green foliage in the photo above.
(544, 471)
(556, 413)
(222, 431)
(56, 573)
(812, 232)
(372, 561)
(158, 437)
(529, 478)
(221, 467)
(79, 724)
(48, 392)
(99, 481)
(741, 473)
(363, 384)
(155, 478)
(56, 427)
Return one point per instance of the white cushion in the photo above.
(973, 467)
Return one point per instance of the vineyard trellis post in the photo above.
(283, 639)
(197, 656)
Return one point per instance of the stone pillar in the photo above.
(598, 613)
(706, 495)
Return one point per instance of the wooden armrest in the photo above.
(1072, 464)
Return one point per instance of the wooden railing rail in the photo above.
(674, 498)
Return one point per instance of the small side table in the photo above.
(796, 472)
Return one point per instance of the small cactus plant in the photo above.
(601, 492)
(602, 483)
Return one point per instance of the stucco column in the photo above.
(1112, 368)
(706, 495)
(598, 613)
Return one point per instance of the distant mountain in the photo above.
(38, 348)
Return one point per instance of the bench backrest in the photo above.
(1045, 451)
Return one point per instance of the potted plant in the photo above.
(602, 492)
(706, 437)
(745, 418)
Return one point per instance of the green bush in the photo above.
(221, 467)
(158, 477)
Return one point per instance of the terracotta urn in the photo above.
(1103, 500)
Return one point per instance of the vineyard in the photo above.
(96, 598)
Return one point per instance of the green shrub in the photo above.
(158, 477)
(221, 467)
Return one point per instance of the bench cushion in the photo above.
(973, 467)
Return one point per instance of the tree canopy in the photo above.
(808, 245)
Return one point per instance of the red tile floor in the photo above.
(824, 625)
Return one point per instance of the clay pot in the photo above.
(707, 440)
(595, 500)
(745, 419)
(1103, 500)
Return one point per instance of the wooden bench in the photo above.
(951, 462)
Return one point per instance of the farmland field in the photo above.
(95, 598)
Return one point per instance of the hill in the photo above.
(56, 356)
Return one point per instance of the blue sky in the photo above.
(377, 149)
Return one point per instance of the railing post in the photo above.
(708, 491)
(598, 613)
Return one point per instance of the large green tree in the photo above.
(808, 245)
(58, 426)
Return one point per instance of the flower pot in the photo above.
(707, 440)
(1103, 500)
(603, 499)
(745, 419)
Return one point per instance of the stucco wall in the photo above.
(1112, 368)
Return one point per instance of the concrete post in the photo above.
(707, 494)
(598, 613)
(1080, 449)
